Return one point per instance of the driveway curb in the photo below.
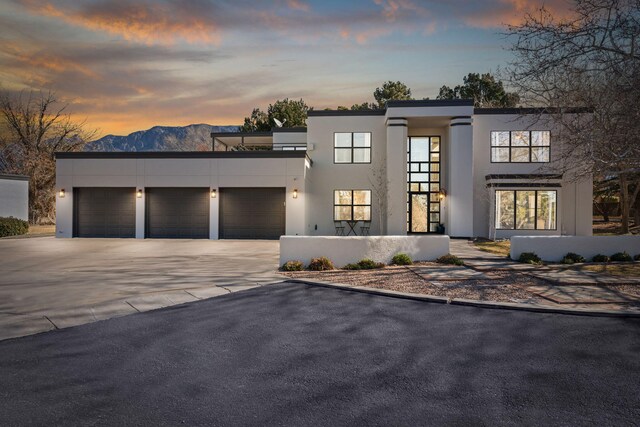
(468, 302)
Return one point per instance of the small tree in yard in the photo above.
(34, 127)
(592, 60)
(379, 184)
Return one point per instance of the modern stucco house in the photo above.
(415, 167)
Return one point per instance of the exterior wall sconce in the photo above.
(139, 193)
(214, 193)
(442, 194)
(62, 193)
(295, 193)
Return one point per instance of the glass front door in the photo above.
(423, 184)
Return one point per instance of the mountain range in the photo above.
(161, 138)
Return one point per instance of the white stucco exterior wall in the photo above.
(210, 173)
(14, 196)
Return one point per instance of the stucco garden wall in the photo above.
(554, 248)
(345, 250)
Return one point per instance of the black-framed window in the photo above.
(520, 146)
(423, 184)
(526, 209)
(352, 205)
(352, 147)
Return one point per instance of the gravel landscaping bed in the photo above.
(498, 286)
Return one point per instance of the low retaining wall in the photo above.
(345, 250)
(554, 248)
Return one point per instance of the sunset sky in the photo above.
(128, 65)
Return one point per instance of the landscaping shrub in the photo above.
(572, 258)
(364, 264)
(600, 258)
(621, 257)
(320, 264)
(292, 266)
(401, 259)
(636, 257)
(13, 227)
(450, 259)
(529, 258)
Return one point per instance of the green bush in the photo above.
(572, 258)
(636, 257)
(364, 264)
(600, 258)
(320, 264)
(529, 258)
(401, 259)
(292, 266)
(13, 227)
(621, 257)
(450, 259)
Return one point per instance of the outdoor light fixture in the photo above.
(442, 194)
(139, 193)
(295, 193)
(214, 193)
(62, 193)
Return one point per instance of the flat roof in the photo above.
(249, 154)
(431, 103)
(14, 177)
(531, 110)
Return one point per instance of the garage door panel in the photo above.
(252, 213)
(177, 213)
(104, 212)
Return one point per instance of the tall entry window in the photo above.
(423, 184)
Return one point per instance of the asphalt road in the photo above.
(292, 354)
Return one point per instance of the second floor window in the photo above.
(520, 146)
(352, 147)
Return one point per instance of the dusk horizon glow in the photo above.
(125, 65)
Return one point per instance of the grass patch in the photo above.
(498, 247)
(620, 270)
(42, 229)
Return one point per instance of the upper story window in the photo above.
(520, 146)
(352, 147)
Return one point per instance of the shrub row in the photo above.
(13, 227)
(324, 263)
(572, 258)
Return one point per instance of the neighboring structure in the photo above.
(14, 196)
(415, 167)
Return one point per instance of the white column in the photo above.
(214, 213)
(460, 191)
(140, 212)
(396, 176)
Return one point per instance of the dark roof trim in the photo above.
(258, 154)
(540, 110)
(14, 177)
(325, 113)
(460, 124)
(292, 130)
(239, 134)
(432, 103)
(460, 117)
(524, 176)
(524, 185)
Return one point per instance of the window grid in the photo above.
(351, 205)
(529, 147)
(423, 181)
(515, 210)
(351, 149)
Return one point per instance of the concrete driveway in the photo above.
(48, 283)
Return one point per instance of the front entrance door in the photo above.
(423, 184)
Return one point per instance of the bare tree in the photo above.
(592, 60)
(379, 184)
(35, 127)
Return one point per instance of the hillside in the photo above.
(161, 138)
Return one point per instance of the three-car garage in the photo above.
(180, 212)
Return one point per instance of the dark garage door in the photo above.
(177, 213)
(252, 213)
(104, 212)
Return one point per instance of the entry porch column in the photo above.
(460, 191)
